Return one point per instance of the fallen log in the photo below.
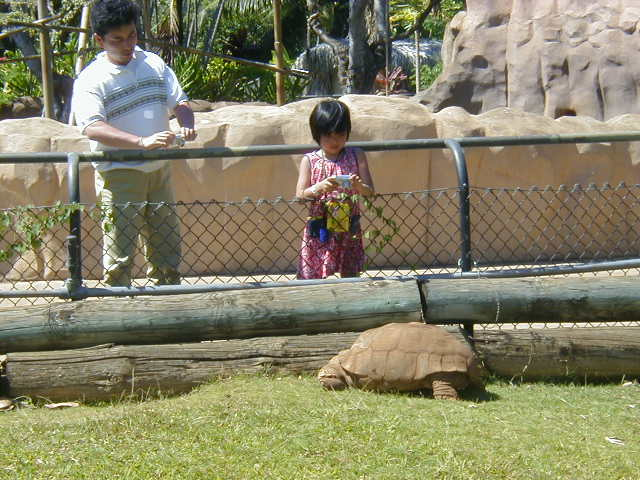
(532, 300)
(317, 309)
(591, 352)
(209, 316)
(108, 372)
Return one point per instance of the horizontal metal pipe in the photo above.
(265, 150)
(86, 292)
(539, 271)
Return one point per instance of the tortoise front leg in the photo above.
(443, 386)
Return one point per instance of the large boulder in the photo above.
(553, 58)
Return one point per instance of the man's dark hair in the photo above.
(107, 15)
(329, 116)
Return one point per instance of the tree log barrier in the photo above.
(209, 316)
(108, 372)
(533, 300)
(317, 309)
(144, 332)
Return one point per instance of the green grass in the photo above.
(262, 427)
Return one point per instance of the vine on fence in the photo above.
(378, 238)
(30, 226)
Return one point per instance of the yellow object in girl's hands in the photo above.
(338, 216)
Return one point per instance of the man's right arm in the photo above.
(90, 114)
(106, 134)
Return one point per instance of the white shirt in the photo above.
(137, 98)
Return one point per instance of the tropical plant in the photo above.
(16, 80)
(405, 13)
(29, 226)
(428, 74)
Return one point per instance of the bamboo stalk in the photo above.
(37, 23)
(46, 61)
(83, 39)
(277, 45)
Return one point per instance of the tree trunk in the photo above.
(209, 316)
(532, 300)
(361, 61)
(108, 372)
(317, 309)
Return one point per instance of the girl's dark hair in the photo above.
(107, 15)
(329, 116)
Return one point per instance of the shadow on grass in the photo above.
(475, 395)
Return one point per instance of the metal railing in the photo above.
(453, 239)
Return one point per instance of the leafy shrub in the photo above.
(226, 80)
(428, 74)
(16, 80)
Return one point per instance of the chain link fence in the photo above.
(413, 233)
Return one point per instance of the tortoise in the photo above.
(405, 357)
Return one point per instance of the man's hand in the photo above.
(188, 134)
(157, 140)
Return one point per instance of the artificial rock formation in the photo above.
(214, 241)
(552, 58)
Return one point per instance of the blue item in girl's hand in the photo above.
(344, 180)
(324, 234)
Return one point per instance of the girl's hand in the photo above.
(359, 186)
(356, 181)
(327, 185)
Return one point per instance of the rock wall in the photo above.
(373, 118)
(552, 58)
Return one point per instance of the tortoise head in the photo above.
(332, 377)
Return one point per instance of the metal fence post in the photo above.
(74, 261)
(464, 206)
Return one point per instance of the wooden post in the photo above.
(83, 39)
(209, 316)
(417, 43)
(146, 22)
(277, 46)
(46, 61)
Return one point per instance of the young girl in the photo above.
(332, 240)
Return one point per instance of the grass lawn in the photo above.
(265, 427)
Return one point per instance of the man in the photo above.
(123, 100)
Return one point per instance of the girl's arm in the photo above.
(304, 189)
(304, 179)
(363, 183)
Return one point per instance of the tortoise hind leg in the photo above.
(445, 385)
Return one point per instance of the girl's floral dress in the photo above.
(343, 252)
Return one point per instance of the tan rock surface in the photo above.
(552, 58)
(214, 243)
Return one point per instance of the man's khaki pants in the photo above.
(138, 204)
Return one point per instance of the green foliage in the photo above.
(232, 81)
(287, 427)
(383, 229)
(23, 228)
(30, 225)
(404, 13)
(428, 74)
(17, 80)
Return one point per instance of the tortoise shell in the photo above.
(401, 356)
